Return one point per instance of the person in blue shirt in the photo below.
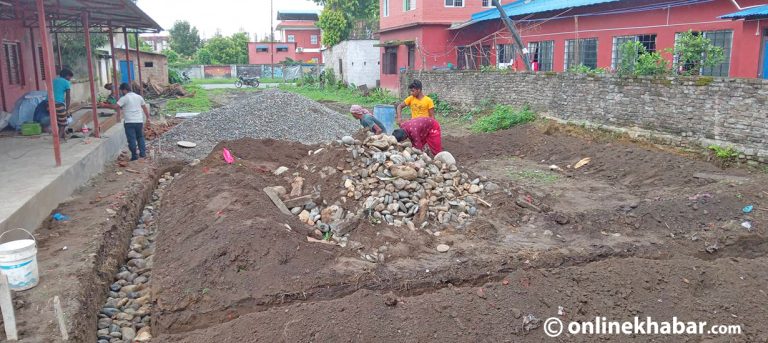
(61, 94)
(366, 119)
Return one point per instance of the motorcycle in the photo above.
(248, 81)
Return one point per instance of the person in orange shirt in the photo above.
(421, 105)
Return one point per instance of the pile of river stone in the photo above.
(393, 183)
(125, 317)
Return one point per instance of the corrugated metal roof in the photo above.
(525, 7)
(756, 12)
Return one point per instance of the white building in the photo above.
(355, 61)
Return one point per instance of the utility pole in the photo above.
(511, 26)
(271, 39)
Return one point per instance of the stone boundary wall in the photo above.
(682, 111)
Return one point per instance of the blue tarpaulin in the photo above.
(756, 12)
(524, 7)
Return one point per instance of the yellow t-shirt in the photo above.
(419, 108)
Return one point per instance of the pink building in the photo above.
(557, 34)
(301, 40)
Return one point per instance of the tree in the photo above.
(184, 38)
(334, 25)
(338, 17)
(225, 50)
(173, 56)
(203, 56)
(694, 52)
(146, 47)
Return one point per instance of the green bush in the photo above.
(502, 118)
(728, 153)
(695, 52)
(635, 60)
(174, 76)
(441, 106)
(582, 69)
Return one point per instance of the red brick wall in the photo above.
(266, 57)
(303, 38)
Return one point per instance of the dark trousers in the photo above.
(135, 132)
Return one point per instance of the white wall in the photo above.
(359, 61)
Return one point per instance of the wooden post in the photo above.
(138, 63)
(128, 59)
(89, 59)
(48, 57)
(515, 34)
(6, 306)
(114, 68)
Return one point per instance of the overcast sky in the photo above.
(228, 16)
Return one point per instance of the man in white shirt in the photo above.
(134, 110)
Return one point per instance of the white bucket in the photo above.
(18, 261)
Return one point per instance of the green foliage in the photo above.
(203, 56)
(502, 118)
(652, 64)
(704, 81)
(174, 76)
(582, 69)
(73, 50)
(225, 50)
(184, 39)
(173, 56)
(335, 26)
(199, 102)
(727, 154)
(635, 60)
(345, 95)
(441, 106)
(146, 47)
(694, 51)
(488, 69)
(328, 79)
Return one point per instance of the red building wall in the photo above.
(440, 46)
(303, 38)
(15, 32)
(266, 57)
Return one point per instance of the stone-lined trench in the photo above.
(126, 314)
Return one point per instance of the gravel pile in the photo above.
(269, 114)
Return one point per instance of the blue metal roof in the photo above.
(749, 13)
(525, 7)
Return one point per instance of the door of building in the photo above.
(124, 65)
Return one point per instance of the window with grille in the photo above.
(487, 3)
(40, 58)
(466, 57)
(13, 63)
(313, 39)
(291, 39)
(648, 41)
(720, 38)
(385, 9)
(542, 53)
(581, 52)
(485, 55)
(282, 49)
(389, 61)
(409, 5)
(411, 56)
(505, 53)
(454, 3)
(262, 49)
(149, 64)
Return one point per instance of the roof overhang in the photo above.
(755, 12)
(297, 15)
(392, 43)
(66, 14)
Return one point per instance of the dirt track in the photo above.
(636, 232)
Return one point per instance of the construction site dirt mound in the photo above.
(632, 232)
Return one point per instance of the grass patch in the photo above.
(537, 176)
(343, 95)
(503, 117)
(199, 102)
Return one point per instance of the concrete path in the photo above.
(232, 85)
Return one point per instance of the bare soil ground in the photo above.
(636, 232)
